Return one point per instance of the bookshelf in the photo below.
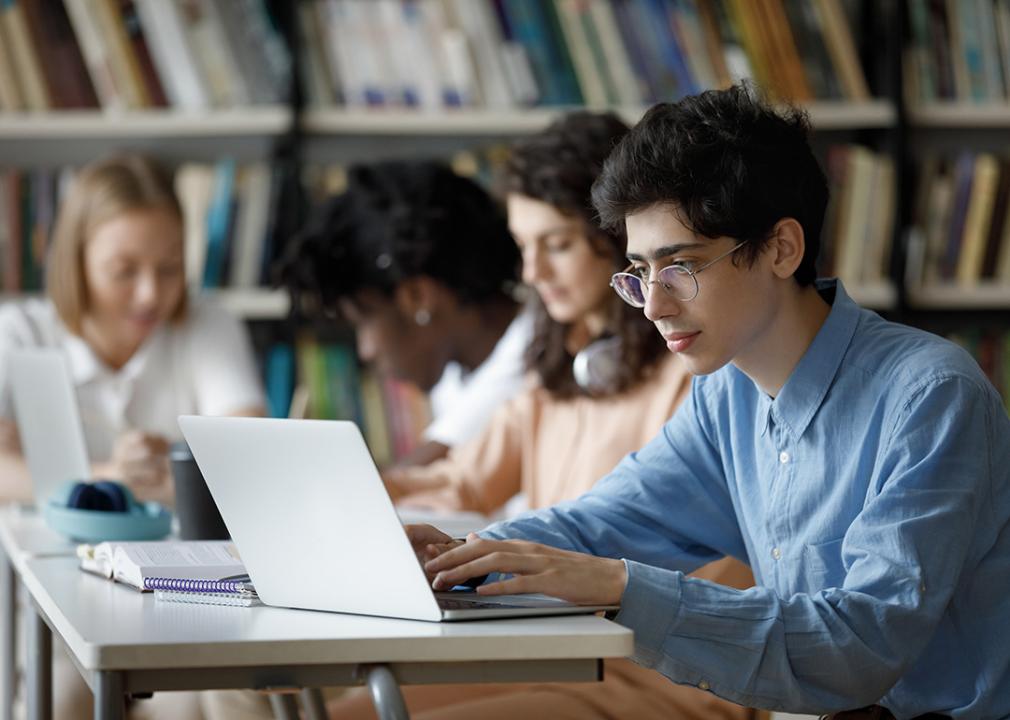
(825, 115)
(985, 296)
(95, 124)
(960, 115)
(256, 304)
(321, 121)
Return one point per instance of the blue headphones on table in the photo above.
(104, 510)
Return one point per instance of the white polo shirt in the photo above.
(202, 366)
(463, 403)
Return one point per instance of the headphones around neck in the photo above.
(104, 510)
(595, 366)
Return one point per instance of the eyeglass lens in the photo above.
(679, 283)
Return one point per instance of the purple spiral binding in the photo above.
(179, 585)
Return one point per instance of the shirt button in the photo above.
(776, 553)
(783, 457)
(704, 686)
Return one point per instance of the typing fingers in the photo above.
(421, 536)
(498, 561)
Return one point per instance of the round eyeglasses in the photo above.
(679, 281)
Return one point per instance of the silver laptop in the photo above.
(49, 422)
(316, 530)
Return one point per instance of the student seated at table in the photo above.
(139, 351)
(557, 437)
(420, 262)
(863, 467)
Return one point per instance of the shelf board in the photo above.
(876, 296)
(840, 115)
(961, 115)
(985, 296)
(273, 120)
(393, 121)
(252, 304)
(266, 120)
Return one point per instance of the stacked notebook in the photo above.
(236, 590)
(207, 572)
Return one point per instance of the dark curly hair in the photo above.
(558, 166)
(730, 163)
(397, 220)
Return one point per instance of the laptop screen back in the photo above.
(304, 503)
(48, 420)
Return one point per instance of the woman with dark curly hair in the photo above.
(601, 384)
(420, 261)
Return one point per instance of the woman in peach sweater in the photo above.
(601, 384)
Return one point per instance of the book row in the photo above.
(139, 54)
(962, 220)
(323, 380)
(858, 230)
(230, 214)
(958, 50)
(436, 54)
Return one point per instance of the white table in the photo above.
(125, 642)
(23, 535)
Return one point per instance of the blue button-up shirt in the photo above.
(871, 499)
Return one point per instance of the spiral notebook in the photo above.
(240, 599)
(199, 565)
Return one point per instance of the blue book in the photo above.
(279, 379)
(219, 217)
(670, 51)
(640, 63)
(964, 172)
(532, 26)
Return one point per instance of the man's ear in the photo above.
(786, 247)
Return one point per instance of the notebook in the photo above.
(48, 420)
(313, 485)
(173, 565)
(207, 598)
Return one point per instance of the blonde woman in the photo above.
(139, 352)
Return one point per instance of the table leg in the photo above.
(386, 693)
(8, 651)
(312, 702)
(284, 706)
(110, 698)
(39, 668)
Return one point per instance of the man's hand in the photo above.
(576, 577)
(428, 543)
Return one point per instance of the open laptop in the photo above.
(316, 530)
(49, 422)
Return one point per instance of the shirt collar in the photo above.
(86, 366)
(806, 387)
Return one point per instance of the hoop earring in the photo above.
(422, 317)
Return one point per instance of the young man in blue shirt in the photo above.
(861, 467)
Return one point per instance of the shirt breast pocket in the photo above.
(822, 566)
